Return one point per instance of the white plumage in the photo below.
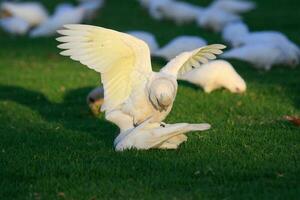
(216, 19)
(180, 12)
(14, 25)
(32, 12)
(146, 37)
(237, 34)
(271, 47)
(233, 6)
(150, 135)
(233, 32)
(178, 45)
(289, 50)
(214, 75)
(133, 93)
(64, 14)
(262, 56)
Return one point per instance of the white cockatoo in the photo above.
(233, 32)
(147, 37)
(238, 34)
(133, 93)
(178, 45)
(148, 135)
(216, 19)
(233, 6)
(33, 13)
(214, 75)
(64, 14)
(262, 56)
(14, 25)
(180, 12)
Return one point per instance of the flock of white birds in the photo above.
(21, 18)
(137, 99)
(263, 49)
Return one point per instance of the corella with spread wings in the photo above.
(133, 93)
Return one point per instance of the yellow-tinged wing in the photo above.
(186, 61)
(122, 60)
(201, 56)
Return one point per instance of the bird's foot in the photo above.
(163, 124)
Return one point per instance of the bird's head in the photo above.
(162, 93)
(229, 78)
(236, 84)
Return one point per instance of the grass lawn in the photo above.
(51, 147)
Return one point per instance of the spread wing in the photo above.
(122, 60)
(186, 61)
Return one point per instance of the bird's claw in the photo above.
(163, 124)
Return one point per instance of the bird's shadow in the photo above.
(72, 113)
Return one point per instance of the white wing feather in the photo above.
(201, 55)
(122, 60)
(186, 61)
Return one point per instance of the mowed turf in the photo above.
(51, 147)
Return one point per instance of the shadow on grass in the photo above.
(72, 113)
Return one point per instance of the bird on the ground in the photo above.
(147, 37)
(148, 135)
(238, 34)
(133, 93)
(178, 45)
(233, 6)
(215, 19)
(14, 25)
(64, 14)
(214, 75)
(33, 13)
(177, 11)
(262, 56)
(232, 33)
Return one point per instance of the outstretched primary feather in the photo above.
(117, 56)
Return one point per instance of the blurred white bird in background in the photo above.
(233, 32)
(177, 11)
(216, 19)
(214, 75)
(147, 37)
(238, 34)
(133, 93)
(14, 25)
(274, 47)
(64, 14)
(33, 13)
(262, 56)
(233, 6)
(178, 45)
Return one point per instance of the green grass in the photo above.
(52, 148)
